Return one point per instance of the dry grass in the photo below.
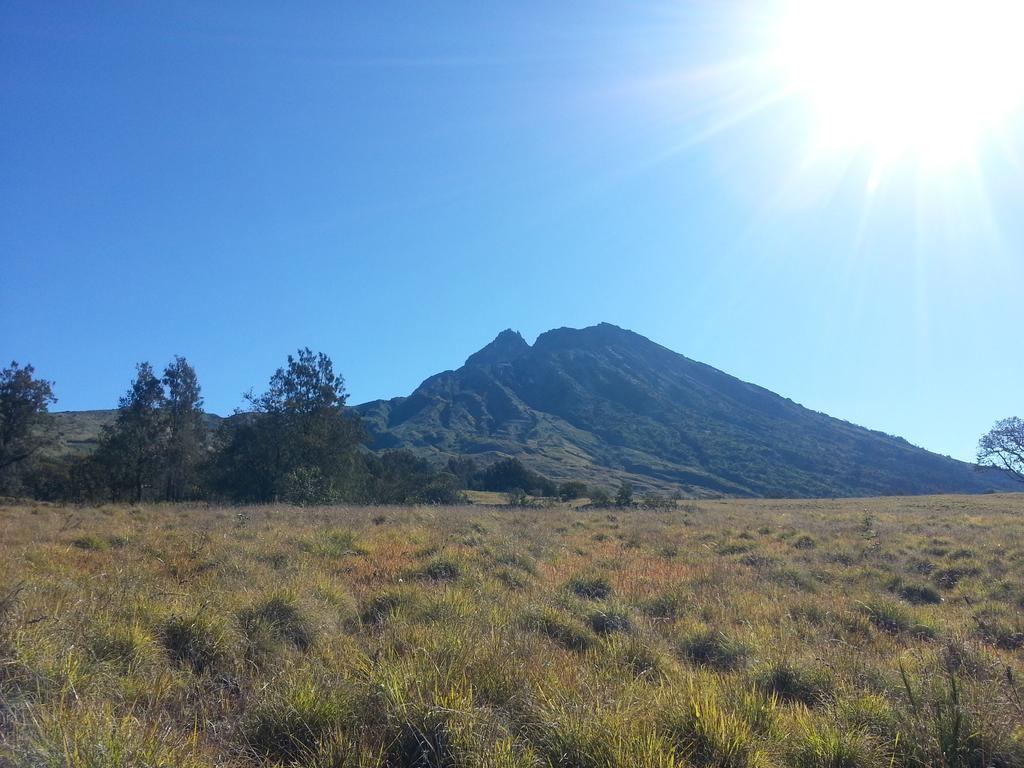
(882, 632)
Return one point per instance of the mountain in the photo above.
(603, 404)
(79, 431)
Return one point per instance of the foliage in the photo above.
(23, 401)
(190, 636)
(154, 447)
(297, 441)
(571, 489)
(1003, 447)
(510, 475)
(624, 496)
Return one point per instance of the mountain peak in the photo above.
(602, 404)
(601, 334)
(506, 347)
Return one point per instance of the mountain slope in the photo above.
(601, 402)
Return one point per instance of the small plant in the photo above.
(606, 622)
(591, 587)
(90, 543)
(297, 719)
(564, 632)
(669, 605)
(706, 734)
(441, 569)
(334, 543)
(195, 641)
(893, 618)
(277, 617)
(714, 649)
(919, 594)
(792, 682)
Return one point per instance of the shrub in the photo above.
(572, 489)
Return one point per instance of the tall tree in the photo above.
(185, 431)
(299, 429)
(131, 450)
(1003, 447)
(24, 400)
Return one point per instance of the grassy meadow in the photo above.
(740, 634)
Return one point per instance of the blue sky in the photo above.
(394, 183)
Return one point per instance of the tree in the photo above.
(624, 496)
(298, 434)
(186, 433)
(511, 474)
(572, 489)
(24, 400)
(131, 450)
(1003, 447)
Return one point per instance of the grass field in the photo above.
(882, 632)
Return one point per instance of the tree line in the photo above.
(296, 442)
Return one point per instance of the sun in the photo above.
(928, 80)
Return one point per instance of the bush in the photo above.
(308, 486)
(624, 496)
(572, 489)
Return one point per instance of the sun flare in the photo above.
(927, 80)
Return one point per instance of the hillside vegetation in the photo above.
(738, 634)
(603, 402)
(603, 405)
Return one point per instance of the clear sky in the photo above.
(395, 182)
